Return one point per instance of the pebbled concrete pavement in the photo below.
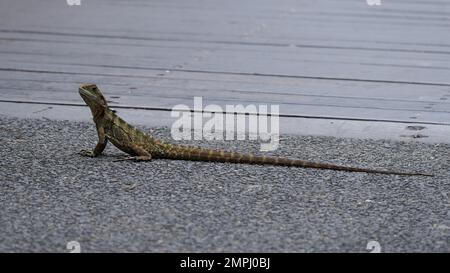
(50, 196)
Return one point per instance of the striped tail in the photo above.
(200, 154)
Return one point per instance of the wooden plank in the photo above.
(155, 92)
(250, 63)
(242, 83)
(164, 98)
(308, 60)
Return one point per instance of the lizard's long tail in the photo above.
(200, 154)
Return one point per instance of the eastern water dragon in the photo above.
(142, 147)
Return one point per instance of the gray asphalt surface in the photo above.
(50, 196)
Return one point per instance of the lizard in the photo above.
(141, 146)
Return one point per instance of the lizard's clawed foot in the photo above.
(135, 158)
(88, 153)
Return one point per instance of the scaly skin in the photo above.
(142, 146)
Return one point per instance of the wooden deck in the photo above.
(334, 60)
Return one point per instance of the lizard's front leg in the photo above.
(102, 141)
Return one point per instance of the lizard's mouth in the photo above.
(85, 92)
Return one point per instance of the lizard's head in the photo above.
(93, 98)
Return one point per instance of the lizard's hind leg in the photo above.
(141, 154)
